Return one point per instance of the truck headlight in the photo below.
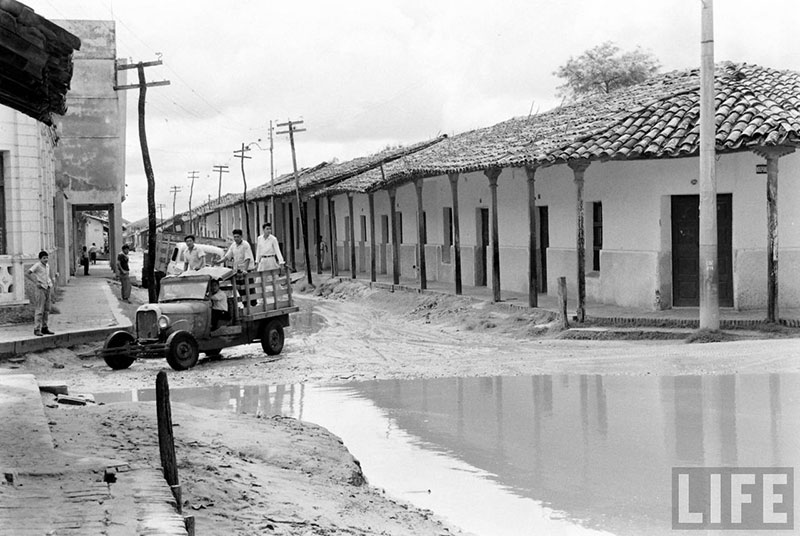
(163, 322)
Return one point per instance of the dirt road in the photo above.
(249, 475)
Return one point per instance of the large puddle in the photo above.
(567, 454)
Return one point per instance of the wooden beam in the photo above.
(423, 277)
(395, 245)
(533, 279)
(332, 231)
(352, 232)
(772, 154)
(317, 235)
(492, 174)
(578, 168)
(456, 231)
(136, 86)
(373, 276)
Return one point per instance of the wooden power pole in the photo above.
(221, 169)
(192, 175)
(709, 273)
(240, 155)
(174, 190)
(148, 169)
(291, 129)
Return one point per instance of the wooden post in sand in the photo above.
(562, 303)
(166, 441)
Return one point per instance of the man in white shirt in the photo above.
(268, 252)
(39, 275)
(193, 258)
(240, 253)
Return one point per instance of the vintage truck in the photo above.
(178, 327)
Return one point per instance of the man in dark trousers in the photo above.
(124, 272)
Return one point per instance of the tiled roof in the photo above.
(755, 106)
(333, 173)
(655, 119)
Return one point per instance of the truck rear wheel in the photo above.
(272, 337)
(182, 350)
(118, 360)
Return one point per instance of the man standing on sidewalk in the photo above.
(124, 271)
(39, 275)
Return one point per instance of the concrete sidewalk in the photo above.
(47, 491)
(87, 311)
(596, 313)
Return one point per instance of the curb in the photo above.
(70, 338)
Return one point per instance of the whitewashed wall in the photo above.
(636, 268)
(29, 171)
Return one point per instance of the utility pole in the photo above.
(709, 273)
(303, 234)
(240, 154)
(161, 211)
(272, 177)
(148, 169)
(221, 169)
(192, 175)
(174, 191)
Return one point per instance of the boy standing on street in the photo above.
(124, 272)
(39, 275)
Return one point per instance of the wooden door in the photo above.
(482, 246)
(686, 250)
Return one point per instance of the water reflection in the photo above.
(517, 455)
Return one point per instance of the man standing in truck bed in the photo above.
(240, 253)
(268, 253)
(193, 258)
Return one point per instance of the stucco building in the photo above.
(90, 157)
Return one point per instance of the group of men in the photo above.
(240, 255)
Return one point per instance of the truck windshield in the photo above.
(185, 289)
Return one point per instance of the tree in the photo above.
(603, 69)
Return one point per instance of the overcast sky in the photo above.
(369, 73)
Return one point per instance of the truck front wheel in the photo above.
(182, 352)
(114, 354)
(272, 337)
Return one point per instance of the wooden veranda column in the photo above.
(332, 236)
(456, 232)
(423, 278)
(578, 169)
(373, 275)
(317, 235)
(772, 154)
(533, 278)
(395, 245)
(352, 234)
(492, 174)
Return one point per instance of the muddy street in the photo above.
(247, 472)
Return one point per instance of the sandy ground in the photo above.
(247, 474)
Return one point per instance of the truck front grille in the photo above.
(147, 324)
